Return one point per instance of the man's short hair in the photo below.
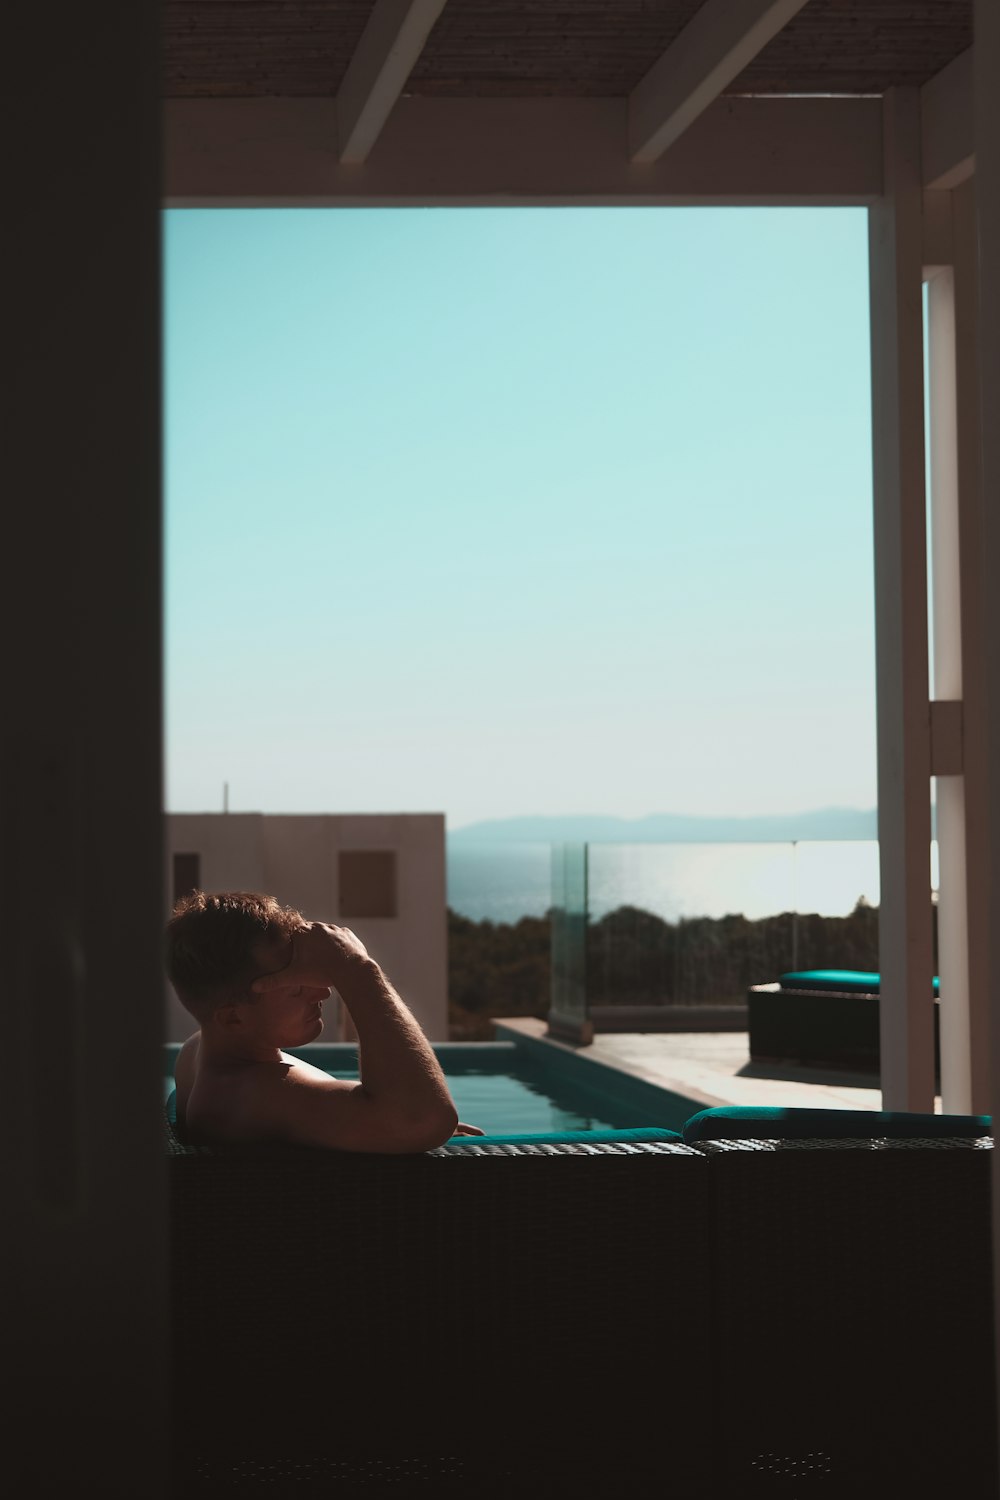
(208, 943)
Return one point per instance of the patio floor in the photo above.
(714, 1067)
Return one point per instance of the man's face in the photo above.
(288, 1016)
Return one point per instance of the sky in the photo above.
(495, 512)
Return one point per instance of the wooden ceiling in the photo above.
(548, 48)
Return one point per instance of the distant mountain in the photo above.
(673, 828)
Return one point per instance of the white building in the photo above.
(382, 875)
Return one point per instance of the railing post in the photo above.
(569, 1011)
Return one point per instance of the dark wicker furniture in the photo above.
(451, 1323)
(751, 1318)
(836, 1029)
(852, 1297)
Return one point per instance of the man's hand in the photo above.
(461, 1129)
(322, 955)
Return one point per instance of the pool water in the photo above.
(506, 1088)
(505, 1103)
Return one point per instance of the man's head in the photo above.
(217, 945)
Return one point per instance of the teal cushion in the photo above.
(568, 1137)
(756, 1122)
(847, 981)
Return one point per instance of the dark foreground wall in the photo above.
(82, 1253)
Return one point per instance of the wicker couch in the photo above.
(852, 1294)
(741, 1319)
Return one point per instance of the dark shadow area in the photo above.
(801, 1073)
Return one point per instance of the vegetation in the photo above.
(637, 958)
(495, 969)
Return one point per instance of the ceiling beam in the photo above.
(946, 124)
(385, 56)
(715, 46)
(503, 152)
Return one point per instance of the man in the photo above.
(255, 975)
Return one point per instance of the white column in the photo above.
(975, 760)
(946, 617)
(905, 939)
(987, 69)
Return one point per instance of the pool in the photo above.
(510, 1086)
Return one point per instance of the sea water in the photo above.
(503, 882)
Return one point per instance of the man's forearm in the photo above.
(398, 1066)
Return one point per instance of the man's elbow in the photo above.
(434, 1129)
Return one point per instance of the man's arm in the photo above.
(397, 1064)
(402, 1102)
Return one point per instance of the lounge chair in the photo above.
(820, 1018)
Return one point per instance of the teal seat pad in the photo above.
(635, 1136)
(847, 981)
(742, 1122)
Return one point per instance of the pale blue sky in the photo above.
(508, 511)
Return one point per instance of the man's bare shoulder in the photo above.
(255, 1101)
(299, 1104)
(185, 1073)
(293, 1103)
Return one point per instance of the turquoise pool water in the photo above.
(507, 1087)
(506, 1103)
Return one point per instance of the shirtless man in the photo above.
(255, 975)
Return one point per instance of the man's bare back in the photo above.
(221, 1101)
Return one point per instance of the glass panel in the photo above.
(831, 878)
(569, 937)
(837, 894)
(697, 924)
(687, 924)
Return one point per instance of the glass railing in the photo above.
(568, 1011)
(589, 933)
(694, 925)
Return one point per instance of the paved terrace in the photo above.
(714, 1067)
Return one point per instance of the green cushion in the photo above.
(568, 1137)
(847, 981)
(742, 1122)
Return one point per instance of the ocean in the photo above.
(504, 882)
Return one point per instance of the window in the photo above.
(187, 875)
(367, 883)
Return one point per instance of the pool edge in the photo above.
(528, 1033)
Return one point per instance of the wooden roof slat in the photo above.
(559, 48)
(236, 48)
(842, 46)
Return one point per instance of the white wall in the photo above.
(294, 857)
